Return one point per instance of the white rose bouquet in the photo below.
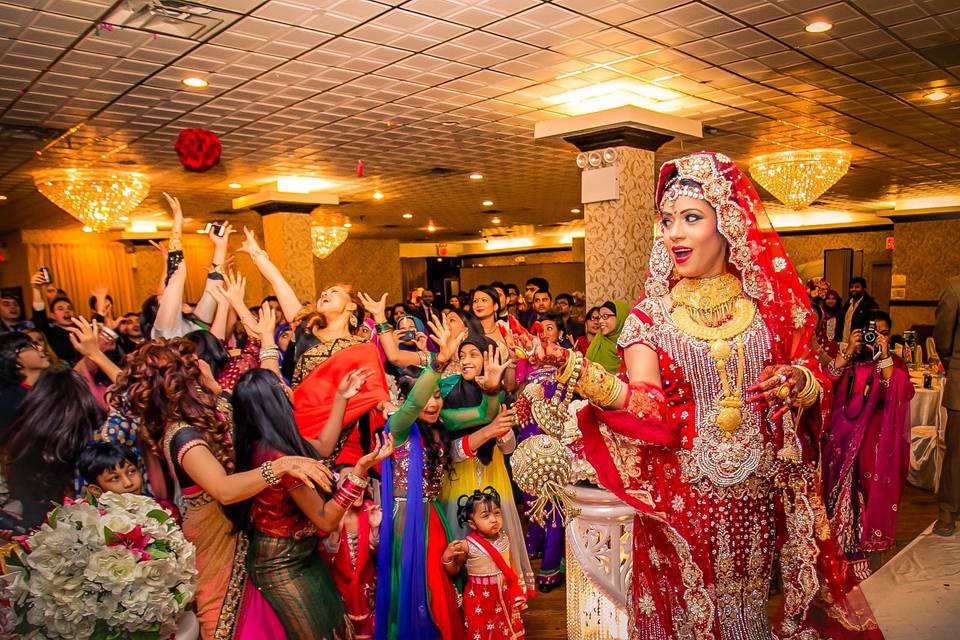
(115, 568)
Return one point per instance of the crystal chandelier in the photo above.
(327, 231)
(797, 178)
(95, 197)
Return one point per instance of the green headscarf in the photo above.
(603, 349)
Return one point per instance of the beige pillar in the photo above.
(619, 233)
(286, 237)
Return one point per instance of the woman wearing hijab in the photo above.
(603, 349)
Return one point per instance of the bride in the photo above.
(712, 433)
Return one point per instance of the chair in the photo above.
(927, 449)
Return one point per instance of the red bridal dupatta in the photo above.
(313, 397)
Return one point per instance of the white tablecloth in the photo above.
(926, 454)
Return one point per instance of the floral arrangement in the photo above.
(198, 149)
(114, 568)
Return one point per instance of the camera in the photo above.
(408, 335)
(214, 228)
(870, 334)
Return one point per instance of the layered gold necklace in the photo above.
(715, 309)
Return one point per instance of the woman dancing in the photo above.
(712, 437)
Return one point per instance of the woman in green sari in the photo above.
(603, 349)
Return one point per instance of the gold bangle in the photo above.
(357, 480)
(565, 372)
(811, 389)
(599, 385)
(259, 253)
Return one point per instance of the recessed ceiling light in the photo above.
(2, 198)
(377, 195)
(495, 220)
(476, 176)
(195, 83)
(449, 123)
(347, 225)
(407, 216)
(123, 218)
(488, 203)
(574, 210)
(937, 96)
(818, 26)
(142, 226)
(87, 229)
(431, 228)
(235, 185)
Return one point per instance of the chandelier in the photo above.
(797, 178)
(327, 231)
(95, 197)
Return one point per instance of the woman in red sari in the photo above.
(327, 349)
(712, 433)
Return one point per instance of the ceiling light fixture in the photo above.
(347, 225)
(797, 178)
(617, 93)
(142, 226)
(407, 216)
(195, 83)
(937, 96)
(123, 218)
(476, 176)
(95, 197)
(235, 185)
(300, 184)
(2, 198)
(87, 229)
(431, 228)
(495, 220)
(327, 231)
(574, 210)
(488, 203)
(377, 195)
(818, 26)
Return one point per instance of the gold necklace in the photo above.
(710, 301)
(730, 416)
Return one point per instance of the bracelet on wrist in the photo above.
(259, 253)
(383, 327)
(266, 471)
(438, 365)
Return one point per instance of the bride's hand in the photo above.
(777, 387)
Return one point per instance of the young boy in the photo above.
(109, 466)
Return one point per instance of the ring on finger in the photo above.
(783, 378)
(783, 392)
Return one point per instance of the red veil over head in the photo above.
(756, 252)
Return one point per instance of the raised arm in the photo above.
(85, 338)
(388, 339)
(207, 304)
(289, 301)
(170, 303)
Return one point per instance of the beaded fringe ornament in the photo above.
(542, 467)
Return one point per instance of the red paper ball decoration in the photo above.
(198, 149)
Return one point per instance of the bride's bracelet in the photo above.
(599, 385)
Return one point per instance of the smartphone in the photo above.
(108, 332)
(45, 272)
(214, 228)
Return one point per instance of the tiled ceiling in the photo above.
(425, 92)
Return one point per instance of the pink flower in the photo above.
(135, 540)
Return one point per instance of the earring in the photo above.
(353, 321)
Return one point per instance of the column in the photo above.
(286, 237)
(618, 200)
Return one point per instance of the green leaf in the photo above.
(157, 553)
(159, 515)
(109, 536)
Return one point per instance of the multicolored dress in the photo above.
(545, 541)
(228, 606)
(416, 599)
(466, 409)
(493, 596)
(286, 566)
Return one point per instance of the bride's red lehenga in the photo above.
(716, 512)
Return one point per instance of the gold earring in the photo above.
(353, 321)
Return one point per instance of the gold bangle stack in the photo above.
(357, 480)
(565, 373)
(811, 389)
(599, 385)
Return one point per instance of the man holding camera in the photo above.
(946, 334)
(55, 326)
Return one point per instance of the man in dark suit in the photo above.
(857, 308)
(425, 309)
(946, 334)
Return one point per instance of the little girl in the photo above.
(351, 554)
(494, 595)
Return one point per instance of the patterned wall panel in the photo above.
(372, 266)
(619, 233)
(806, 251)
(287, 239)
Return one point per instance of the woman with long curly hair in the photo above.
(327, 347)
(184, 423)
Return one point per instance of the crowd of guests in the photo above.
(342, 465)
